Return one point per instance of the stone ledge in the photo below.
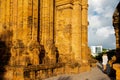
(62, 2)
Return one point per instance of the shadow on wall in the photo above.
(4, 58)
(57, 55)
(42, 54)
(117, 54)
(4, 52)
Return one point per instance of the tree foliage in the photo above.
(109, 53)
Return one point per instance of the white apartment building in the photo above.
(95, 50)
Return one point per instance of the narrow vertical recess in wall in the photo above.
(38, 20)
(30, 19)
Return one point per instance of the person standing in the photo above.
(104, 61)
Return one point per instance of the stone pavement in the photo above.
(94, 74)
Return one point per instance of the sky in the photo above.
(100, 29)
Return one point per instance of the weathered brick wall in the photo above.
(40, 32)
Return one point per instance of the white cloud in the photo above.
(104, 32)
(94, 21)
(100, 22)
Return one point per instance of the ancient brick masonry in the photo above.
(116, 24)
(44, 37)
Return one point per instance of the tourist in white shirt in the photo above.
(104, 61)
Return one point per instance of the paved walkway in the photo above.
(94, 74)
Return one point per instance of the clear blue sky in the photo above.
(100, 29)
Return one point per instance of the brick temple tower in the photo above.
(43, 37)
(116, 25)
